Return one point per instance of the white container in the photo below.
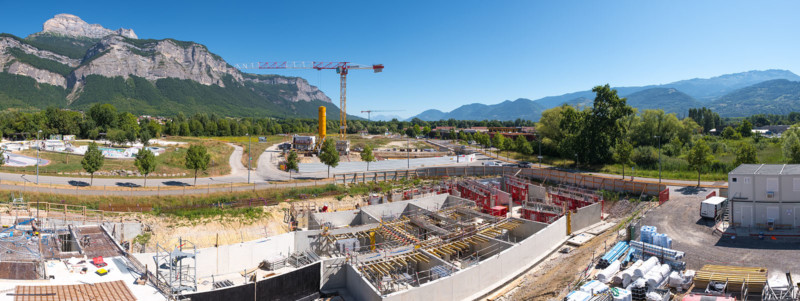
(594, 287)
(646, 267)
(619, 294)
(605, 275)
(578, 296)
(627, 275)
(656, 275)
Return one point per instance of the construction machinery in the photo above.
(369, 112)
(342, 68)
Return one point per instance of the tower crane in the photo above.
(342, 68)
(377, 111)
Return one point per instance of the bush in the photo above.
(645, 156)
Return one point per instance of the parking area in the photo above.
(680, 219)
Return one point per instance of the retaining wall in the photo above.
(295, 285)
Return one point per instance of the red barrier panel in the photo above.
(712, 194)
(663, 196)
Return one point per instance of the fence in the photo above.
(545, 175)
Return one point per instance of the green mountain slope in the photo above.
(668, 99)
(778, 96)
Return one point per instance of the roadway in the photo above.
(265, 176)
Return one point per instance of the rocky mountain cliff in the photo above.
(69, 51)
(71, 25)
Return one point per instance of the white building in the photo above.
(765, 195)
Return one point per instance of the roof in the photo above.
(114, 290)
(714, 200)
(767, 169)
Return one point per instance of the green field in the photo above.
(170, 162)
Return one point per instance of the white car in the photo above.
(493, 163)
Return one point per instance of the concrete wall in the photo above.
(527, 228)
(358, 287)
(233, 258)
(586, 216)
(475, 281)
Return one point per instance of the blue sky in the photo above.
(443, 54)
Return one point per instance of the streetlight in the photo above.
(659, 158)
(249, 156)
(37, 156)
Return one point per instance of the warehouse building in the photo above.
(765, 196)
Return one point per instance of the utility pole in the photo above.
(408, 152)
(539, 139)
(249, 156)
(659, 158)
(38, 147)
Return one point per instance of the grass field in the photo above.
(170, 162)
(258, 147)
(768, 152)
(206, 205)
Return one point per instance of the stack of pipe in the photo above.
(615, 253)
(660, 252)
(626, 276)
(605, 275)
(648, 265)
(657, 275)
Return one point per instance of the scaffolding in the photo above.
(177, 268)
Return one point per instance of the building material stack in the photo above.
(752, 278)
(572, 197)
(614, 254)
(541, 212)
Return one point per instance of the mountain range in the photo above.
(72, 64)
(731, 95)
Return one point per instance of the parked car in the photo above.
(493, 163)
(524, 164)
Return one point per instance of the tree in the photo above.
(522, 146)
(145, 162)
(367, 156)
(104, 115)
(622, 154)
(729, 133)
(116, 136)
(145, 136)
(699, 156)
(589, 134)
(92, 160)
(746, 154)
(745, 128)
(197, 158)
(291, 163)
(499, 141)
(794, 157)
(329, 155)
(549, 124)
(426, 130)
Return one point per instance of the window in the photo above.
(733, 180)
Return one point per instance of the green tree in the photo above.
(522, 146)
(144, 136)
(291, 163)
(116, 136)
(426, 130)
(104, 115)
(622, 154)
(197, 158)
(92, 160)
(745, 128)
(729, 133)
(145, 162)
(499, 141)
(549, 125)
(794, 155)
(699, 156)
(329, 155)
(746, 154)
(589, 134)
(367, 156)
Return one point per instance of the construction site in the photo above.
(507, 237)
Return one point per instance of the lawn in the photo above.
(170, 162)
(768, 152)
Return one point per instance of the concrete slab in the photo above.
(580, 239)
(599, 228)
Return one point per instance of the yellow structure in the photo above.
(322, 126)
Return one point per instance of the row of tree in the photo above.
(197, 158)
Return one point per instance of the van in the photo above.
(712, 207)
